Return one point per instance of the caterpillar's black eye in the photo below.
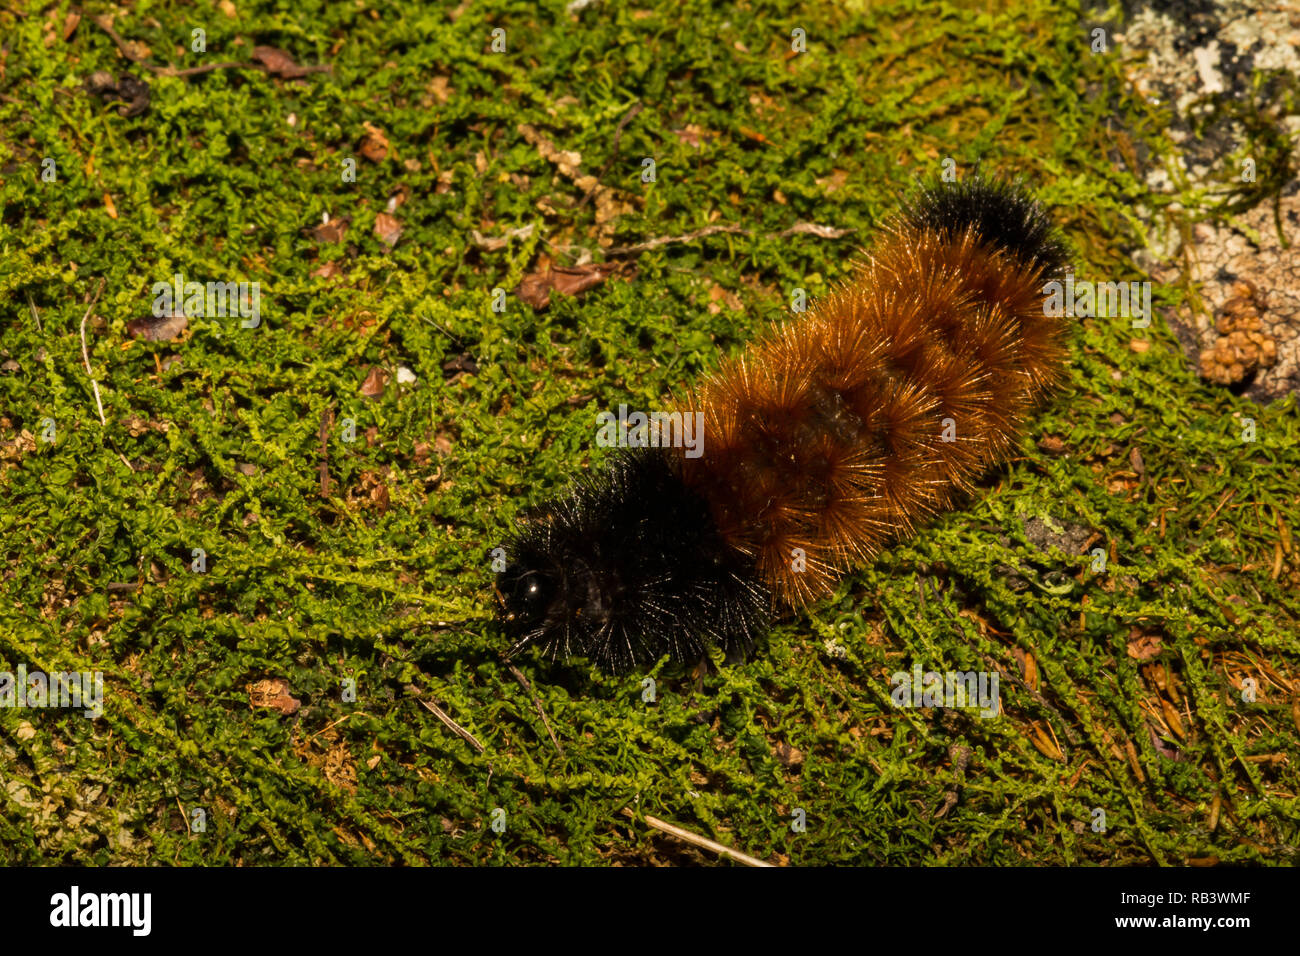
(526, 595)
(530, 592)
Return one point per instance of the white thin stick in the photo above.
(704, 843)
(85, 354)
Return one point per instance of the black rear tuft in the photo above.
(1003, 213)
(628, 567)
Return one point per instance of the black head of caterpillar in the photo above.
(626, 567)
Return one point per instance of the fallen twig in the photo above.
(493, 243)
(668, 240)
(334, 723)
(523, 682)
(196, 70)
(457, 728)
(811, 228)
(125, 49)
(704, 843)
(815, 229)
(86, 354)
(618, 135)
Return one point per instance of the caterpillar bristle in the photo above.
(1000, 213)
(826, 439)
(628, 567)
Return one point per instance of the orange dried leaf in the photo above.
(158, 328)
(375, 383)
(274, 694)
(388, 229)
(536, 287)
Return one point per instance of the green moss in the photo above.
(224, 179)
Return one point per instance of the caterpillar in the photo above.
(827, 438)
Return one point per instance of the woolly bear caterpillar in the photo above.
(844, 429)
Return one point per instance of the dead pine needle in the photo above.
(455, 727)
(694, 839)
(85, 354)
(35, 315)
(799, 228)
(523, 682)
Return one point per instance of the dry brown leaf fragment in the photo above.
(332, 230)
(1143, 646)
(1052, 444)
(788, 755)
(1045, 744)
(371, 491)
(274, 694)
(834, 181)
(1135, 459)
(279, 63)
(464, 362)
(1173, 719)
(374, 145)
(158, 328)
(1031, 672)
(535, 288)
(692, 135)
(567, 161)
(440, 87)
(388, 229)
(719, 294)
(375, 383)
